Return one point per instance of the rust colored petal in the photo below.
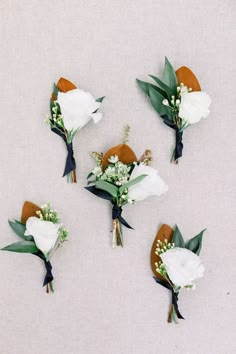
(124, 153)
(165, 232)
(187, 77)
(29, 209)
(64, 85)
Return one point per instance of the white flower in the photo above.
(113, 159)
(182, 266)
(45, 233)
(194, 106)
(77, 108)
(152, 184)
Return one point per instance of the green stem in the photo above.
(51, 287)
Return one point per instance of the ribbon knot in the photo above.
(48, 277)
(70, 160)
(178, 137)
(174, 296)
(116, 214)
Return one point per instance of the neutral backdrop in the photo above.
(105, 300)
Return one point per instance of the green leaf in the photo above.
(100, 99)
(108, 187)
(156, 101)
(131, 183)
(166, 88)
(90, 175)
(21, 247)
(18, 228)
(195, 243)
(178, 238)
(145, 88)
(169, 76)
(55, 90)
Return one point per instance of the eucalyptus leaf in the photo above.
(195, 243)
(145, 88)
(156, 100)
(178, 238)
(108, 187)
(169, 76)
(21, 247)
(131, 183)
(165, 87)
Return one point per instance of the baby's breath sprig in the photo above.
(63, 234)
(146, 157)
(48, 214)
(163, 246)
(98, 156)
(56, 116)
(126, 136)
(161, 269)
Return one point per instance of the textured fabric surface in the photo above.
(105, 300)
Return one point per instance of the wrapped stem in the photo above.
(117, 238)
(71, 177)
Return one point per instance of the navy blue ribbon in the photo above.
(116, 210)
(70, 160)
(116, 214)
(48, 276)
(178, 138)
(174, 296)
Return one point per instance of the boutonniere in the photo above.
(176, 264)
(122, 178)
(71, 109)
(41, 235)
(179, 101)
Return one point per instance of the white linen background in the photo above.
(105, 300)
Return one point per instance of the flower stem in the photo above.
(117, 239)
(71, 177)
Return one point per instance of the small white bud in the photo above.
(165, 102)
(177, 102)
(178, 88)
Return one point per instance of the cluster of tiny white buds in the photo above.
(163, 246)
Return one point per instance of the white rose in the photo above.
(182, 266)
(152, 184)
(194, 106)
(77, 107)
(45, 233)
